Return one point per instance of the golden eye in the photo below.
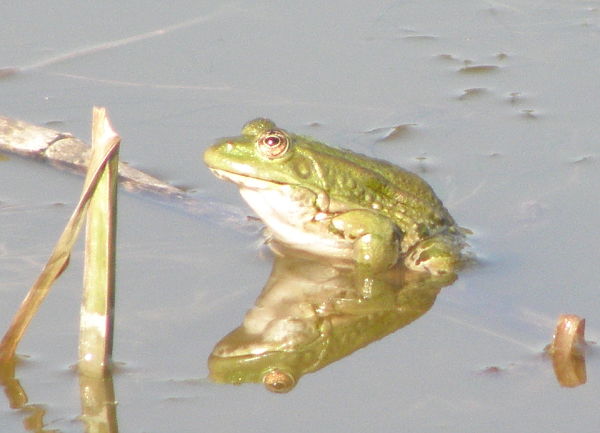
(278, 381)
(273, 144)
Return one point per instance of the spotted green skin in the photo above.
(365, 209)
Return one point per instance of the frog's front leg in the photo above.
(376, 240)
(438, 255)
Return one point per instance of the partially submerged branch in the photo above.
(67, 151)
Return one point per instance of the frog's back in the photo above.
(415, 201)
(400, 194)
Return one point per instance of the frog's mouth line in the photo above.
(244, 180)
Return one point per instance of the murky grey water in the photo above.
(501, 97)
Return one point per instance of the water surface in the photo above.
(500, 103)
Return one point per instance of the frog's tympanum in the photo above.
(311, 314)
(337, 203)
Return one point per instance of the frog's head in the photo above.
(271, 369)
(265, 152)
(244, 356)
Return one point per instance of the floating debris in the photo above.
(492, 370)
(471, 93)
(478, 69)
(529, 113)
(8, 72)
(514, 97)
(582, 159)
(447, 57)
(420, 37)
(568, 351)
(391, 133)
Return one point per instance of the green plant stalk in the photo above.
(97, 308)
(58, 260)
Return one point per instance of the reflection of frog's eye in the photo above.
(273, 144)
(279, 381)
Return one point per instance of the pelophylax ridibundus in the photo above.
(337, 203)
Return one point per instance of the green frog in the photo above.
(337, 203)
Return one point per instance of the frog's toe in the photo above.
(437, 258)
(375, 253)
(435, 266)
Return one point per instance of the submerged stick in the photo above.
(97, 308)
(568, 351)
(65, 151)
(56, 263)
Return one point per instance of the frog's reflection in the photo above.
(312, 313)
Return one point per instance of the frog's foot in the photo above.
(437, 255)
(376, 241)
(375, 253)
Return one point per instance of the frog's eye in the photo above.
(278, 381)
(273, 144)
